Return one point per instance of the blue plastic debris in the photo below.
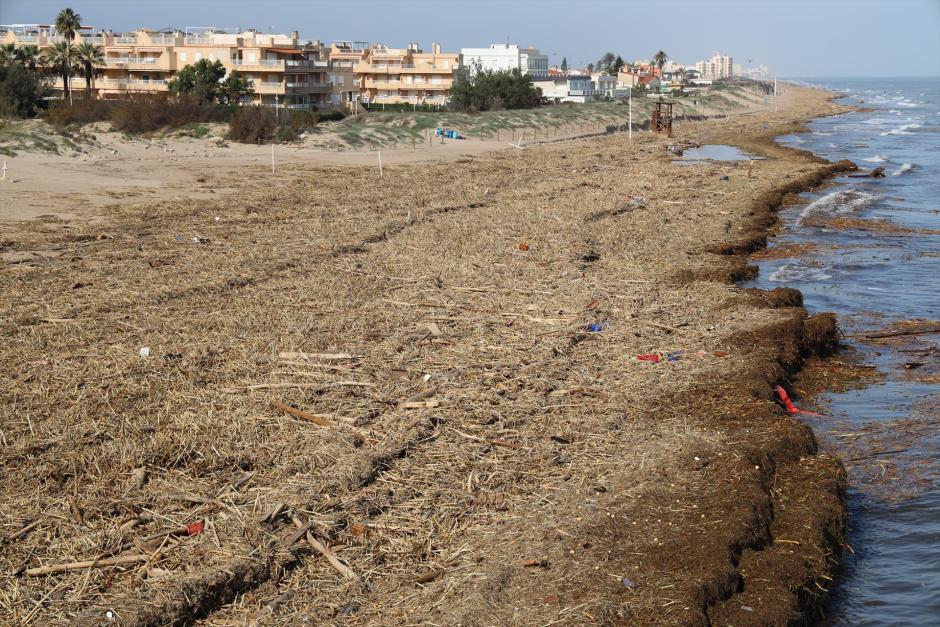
(674, 356)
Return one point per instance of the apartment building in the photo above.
(283, 71)
(343, 57)
(406, 75)
(502, 57)
(718, 66)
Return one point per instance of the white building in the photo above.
(719, 66)
(605, 86)
(559, 88)
(502, 57)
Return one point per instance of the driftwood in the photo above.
(102, 563)
(324, 550)
(878, 336)
(316, 419)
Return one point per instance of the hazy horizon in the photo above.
(799, 39)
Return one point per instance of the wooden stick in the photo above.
(299, 413)
(301, 355)
(325, 551)
(878, 336)
(429, 577)
(103, 563)
(22, 532)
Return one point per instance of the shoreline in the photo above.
(771, 505)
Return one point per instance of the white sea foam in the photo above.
(902, 130)
(879, 121)
(876, 159)
(838, 202)
(797, 272)
(821, 133)
(905, 167)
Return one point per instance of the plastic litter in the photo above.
(791, 408)
(194, 529)
(144, 351)
(653, 357)
(675, 355)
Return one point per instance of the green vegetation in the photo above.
(494, 91)
(203, 81)
(21, 91)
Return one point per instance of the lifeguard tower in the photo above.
(662, 118)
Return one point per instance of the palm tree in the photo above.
(660, 60)
(29, 56)
(606, 62)
(67, 23)
(7, 54)
(61, 59)
(90, 57)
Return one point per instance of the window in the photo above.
(198, 56)
(184, 56)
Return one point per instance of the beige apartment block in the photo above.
(283, 71)
(344, 56)
(406, 75)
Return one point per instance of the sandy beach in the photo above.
(504, 387)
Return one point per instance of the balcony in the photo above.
(125, 41)
(308, 87)
(266, 65)
(27, 39)
(162, 40)
(132, 84)
(303, 65)
(145, 63)
(193, 40)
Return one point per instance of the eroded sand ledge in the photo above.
(552, 477)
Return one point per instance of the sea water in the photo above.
(889, 432)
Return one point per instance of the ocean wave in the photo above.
(838, 202)
(797, 272)
(905, 167)
(902, 130)
(821, 133)
(907, 103)
(879, 121)
(876, 159)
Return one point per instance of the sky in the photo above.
(795, 38)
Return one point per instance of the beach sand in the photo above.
(467, 443)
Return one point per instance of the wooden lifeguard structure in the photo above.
(662, 118)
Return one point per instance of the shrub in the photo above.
(252, 125)
(484, 90)
(331, 115)
(21, 91)
(62, 114)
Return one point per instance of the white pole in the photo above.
(272, 157)
(630, 126)
(4, 171)
(380, 163)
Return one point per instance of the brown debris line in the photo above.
(878, 225)
(468, 353)
(786, 251)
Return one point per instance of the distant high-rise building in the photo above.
(718, 66)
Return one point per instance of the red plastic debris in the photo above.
(791, 408)
(785, 399)
(653, 357)
(194, 529)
